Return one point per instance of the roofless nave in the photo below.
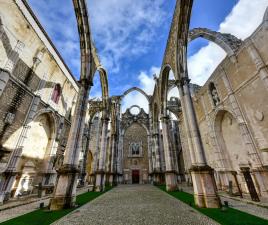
(51, 135)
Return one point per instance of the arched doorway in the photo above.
(35, 154)
(234, 150)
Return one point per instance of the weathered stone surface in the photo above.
(135, 204)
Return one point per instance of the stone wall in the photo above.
(32, 125)
(235, 130)
(135, 134)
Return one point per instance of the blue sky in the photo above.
(131, 36)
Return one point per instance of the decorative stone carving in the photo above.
(9, 118)
(128, 118)
(259, 116)
(214, 94)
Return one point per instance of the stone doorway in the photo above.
(135, 176)
(250, 185)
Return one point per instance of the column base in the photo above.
(205, 190)
(65, 190)
(156, 178)
(171, 181)
(120, 178)
(99, 185)
(111, 179)
(64, 202)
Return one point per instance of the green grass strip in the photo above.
(229, 216)
(45, 217)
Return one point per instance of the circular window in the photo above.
(135, 110)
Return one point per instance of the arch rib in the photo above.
(138, 90)
(228, 42)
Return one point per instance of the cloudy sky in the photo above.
(131, 37)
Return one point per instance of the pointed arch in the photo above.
(104, 86)
(138, 90)
(228, 42)
(164, 87)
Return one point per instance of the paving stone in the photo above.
(135, 204)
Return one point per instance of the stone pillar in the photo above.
(13, 57)
(157, 166)
(100, 173)
(112, 162)
(223, 164)
(120, 158)
(172, 132)
(150, 148)
(259, 63)
(83, 171)
(170, 173)
(65, 189)
(205, 190)
(96, 154)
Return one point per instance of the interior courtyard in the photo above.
(83, 142)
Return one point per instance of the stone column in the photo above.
(96, 154)
(100, 173)
(83, 171)
(170, 173)
(112, 160)
(65, 189)
(223, 164)
(150, 144)
(157, 166)
(205, 190)
(259, 63)
(174, 147)
(120, 158)
(150, 148)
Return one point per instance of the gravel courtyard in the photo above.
(135, 204)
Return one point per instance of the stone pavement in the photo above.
(135, 205)
(10, 210)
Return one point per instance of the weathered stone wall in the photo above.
(25, 100)
(135, 134)
(235, 131)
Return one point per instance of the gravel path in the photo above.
(135, 204)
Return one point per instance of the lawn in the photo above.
(229, 216)
(45, 217)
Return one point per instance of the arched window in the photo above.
(214, 94)
(56, 93)
(135, 149)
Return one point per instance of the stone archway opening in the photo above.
(35, 156)
(237, 160)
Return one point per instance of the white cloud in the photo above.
(124, 28)
(174, 92)
(204, 62)
(62, 31)
(241, 22)
(146, 83)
